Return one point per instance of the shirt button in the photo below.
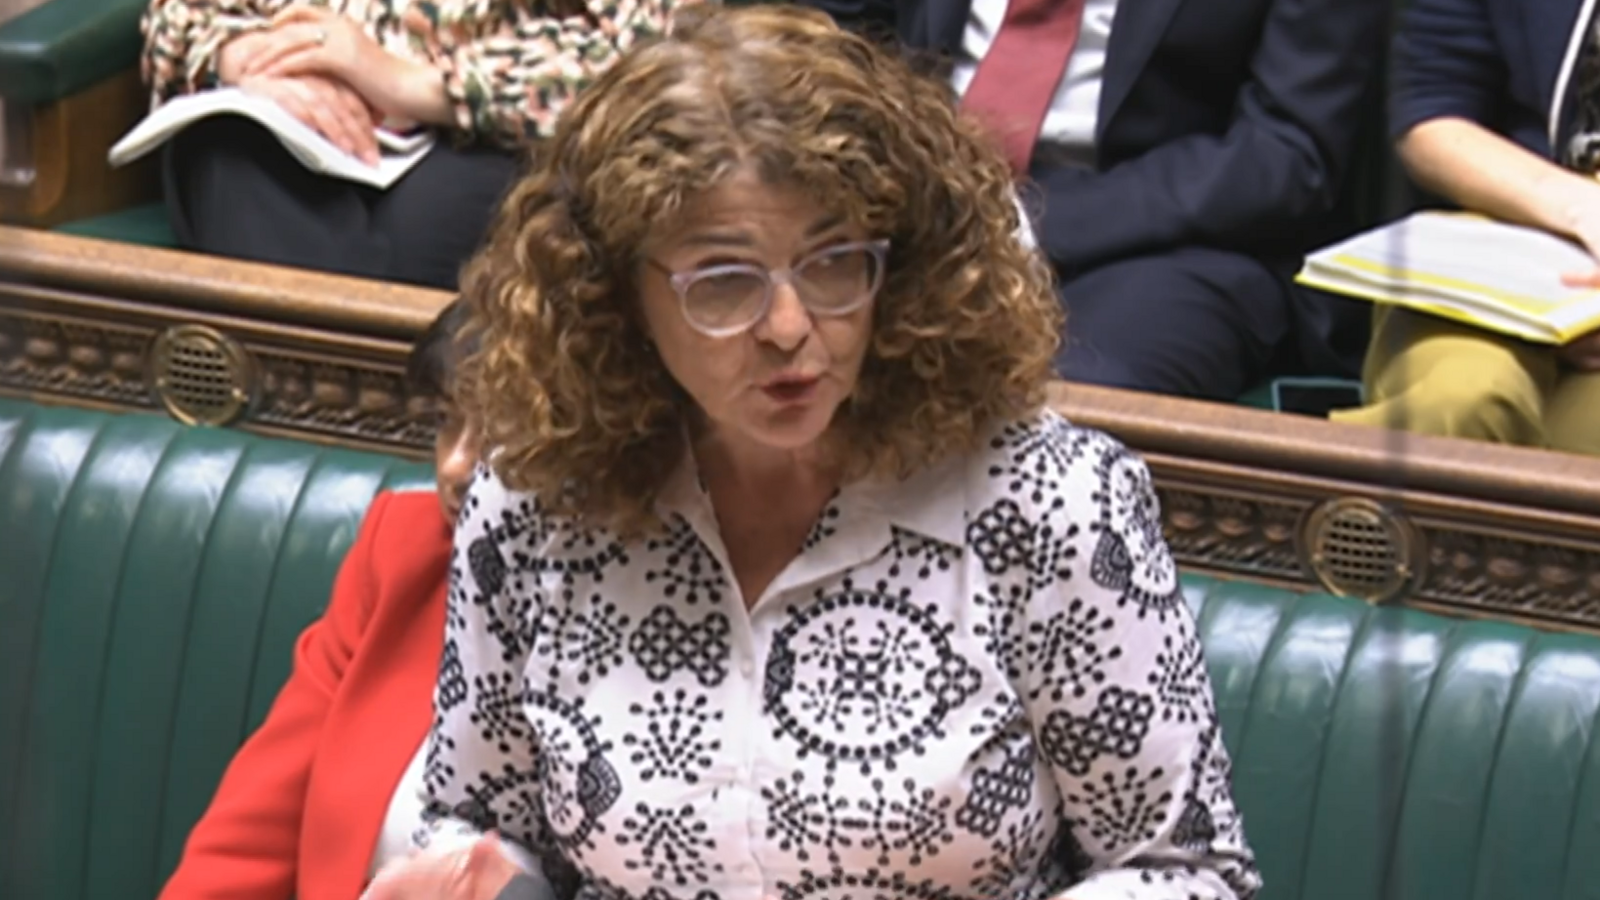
(747, 668)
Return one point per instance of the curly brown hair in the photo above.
(572, 402)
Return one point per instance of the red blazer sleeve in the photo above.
(246, 844)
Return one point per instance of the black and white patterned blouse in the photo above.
(982, 683)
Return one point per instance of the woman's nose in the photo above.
(787, 322)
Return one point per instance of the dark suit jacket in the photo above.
(1222, 123)
(1494, 62)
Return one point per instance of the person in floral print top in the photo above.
(491, 75)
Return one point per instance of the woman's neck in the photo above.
(732, 461)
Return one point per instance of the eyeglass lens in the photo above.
(735, 296)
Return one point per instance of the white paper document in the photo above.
(1496, 276)
(398, 153)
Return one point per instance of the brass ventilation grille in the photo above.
(201, 376)
(1357, 548)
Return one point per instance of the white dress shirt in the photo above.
(979, 683)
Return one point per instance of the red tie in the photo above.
(1017, 78)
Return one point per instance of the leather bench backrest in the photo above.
(153, 579)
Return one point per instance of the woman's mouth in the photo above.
(791, 390)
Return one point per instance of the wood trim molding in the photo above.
(78, 319)
(64, 145)
(1497, 532)
(1500, 532)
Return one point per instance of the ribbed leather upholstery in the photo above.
(152, 580)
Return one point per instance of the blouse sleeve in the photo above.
(481, 766)
(509, 71)
(182, 38)
(1120, 702)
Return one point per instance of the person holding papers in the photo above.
(486, 75)
(1496, 106)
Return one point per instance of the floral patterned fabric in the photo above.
(982, 684)
(509, 66)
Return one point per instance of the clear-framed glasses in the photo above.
(725, 300)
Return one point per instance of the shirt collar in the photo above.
(931, 502)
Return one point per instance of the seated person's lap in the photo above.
(1434, 376)
(1193, 322)
(233, 190)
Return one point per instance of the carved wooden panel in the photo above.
(78, 319)
(1244, 535)
(363, 404)
(1491, 531)
(71, 358)
(326, 396)
(1480, 571)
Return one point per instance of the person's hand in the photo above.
(1586, 228)
(315, 41)
(1581, 353)
(235, 56)
(334, 110)
(478, 872)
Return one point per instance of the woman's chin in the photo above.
(788, 427)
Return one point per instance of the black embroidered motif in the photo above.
(585, 640)
(826, 525)
(1179, 680)
(452, 686)
(497, 711)
(1195, 829)
(864, 677)
(801, 822)
(664, 643)
(996, 791)
(488, 566)
(678, 739)
(688, 572)
(913, 822)
(579, 784)
(1125, 807)
(673, 844)
(1006, 539)
(1016, 858)
(659, 893)
(870, 884)
(1036, 456)
(917, 556)
(1130, 555)
(1117, 727)
(1071, 651)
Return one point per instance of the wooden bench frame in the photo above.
(53, 165)
(1483, 530)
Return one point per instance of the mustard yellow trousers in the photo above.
(1432, 376)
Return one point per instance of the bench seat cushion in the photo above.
(146, 226)
(155, 577)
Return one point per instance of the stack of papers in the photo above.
(1499, 277)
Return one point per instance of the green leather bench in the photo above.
(153, 578)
